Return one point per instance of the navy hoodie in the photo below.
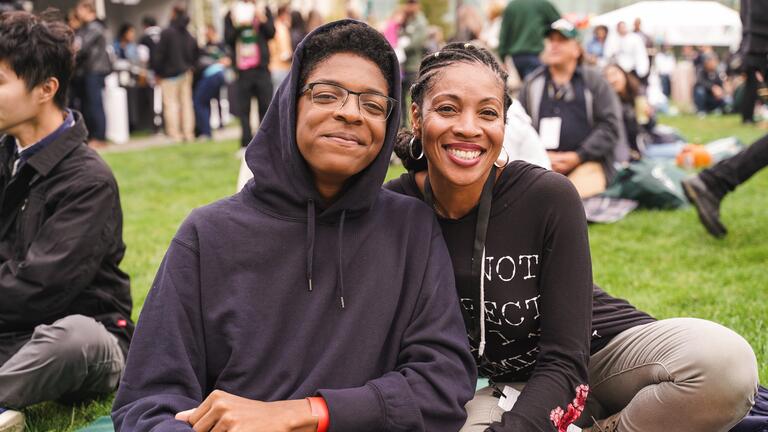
(380, 335)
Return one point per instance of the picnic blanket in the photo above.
(102, 424)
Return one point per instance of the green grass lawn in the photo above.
(663, 262)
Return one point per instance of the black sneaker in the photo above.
(11, 421)
(707, 205)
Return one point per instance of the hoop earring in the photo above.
(506, 161)
(410, 149)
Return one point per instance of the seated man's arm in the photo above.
(63, 257)
(606, 117)
(436, 374)
(165, 371)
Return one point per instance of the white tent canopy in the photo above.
(680, 22)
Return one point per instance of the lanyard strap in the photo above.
(472, 324)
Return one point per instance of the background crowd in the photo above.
(248, 57)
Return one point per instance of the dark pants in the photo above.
(705, 101)
(93, 106)
(750, 94)
(72, 359)
(252, 83)
(729, 173)
(206, 89)
(666, 85)
(526, 63)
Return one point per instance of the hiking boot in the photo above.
(11, 421)
(610, 424)
(707, 205)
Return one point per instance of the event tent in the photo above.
(680, 22)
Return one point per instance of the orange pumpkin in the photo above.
(694, 156)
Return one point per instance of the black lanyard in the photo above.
(481, 230)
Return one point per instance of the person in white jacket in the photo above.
(521, 141)
(628, 50)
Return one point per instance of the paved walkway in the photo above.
(160, 140)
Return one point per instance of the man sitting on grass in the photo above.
(66, 306)
(576, 112)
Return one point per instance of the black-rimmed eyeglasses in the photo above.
(331, 97)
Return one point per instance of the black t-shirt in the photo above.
(611, 316)
(537, 266)
(538, 288)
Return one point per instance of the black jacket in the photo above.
(266, 32)
(754, 42)
(177, 50)
(92, 57)
(61, 238)
(708, 80)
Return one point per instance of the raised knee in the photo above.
(727, 367)
(68, 338)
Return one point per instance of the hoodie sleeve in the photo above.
(165, 371)
(436, 373)
(566, 311)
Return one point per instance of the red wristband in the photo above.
(320, 410)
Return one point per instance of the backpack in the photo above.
(654, 184)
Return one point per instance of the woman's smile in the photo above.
(464, 154)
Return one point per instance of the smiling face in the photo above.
(461, 123)
(339, 144)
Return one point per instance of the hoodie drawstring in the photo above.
(311, 249)
(475, 325)
(340, 284)
(310, 240)
(481, 347)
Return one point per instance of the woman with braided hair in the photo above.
(537, 325)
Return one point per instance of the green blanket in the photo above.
(102, 424)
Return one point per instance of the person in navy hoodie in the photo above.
(313, 299)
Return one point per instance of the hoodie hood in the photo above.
(180, 21)
(283, 184)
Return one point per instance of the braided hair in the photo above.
(431, 66)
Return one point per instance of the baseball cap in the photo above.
(564, 27)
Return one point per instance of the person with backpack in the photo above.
(247, 30)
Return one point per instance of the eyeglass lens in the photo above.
(333, 97)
